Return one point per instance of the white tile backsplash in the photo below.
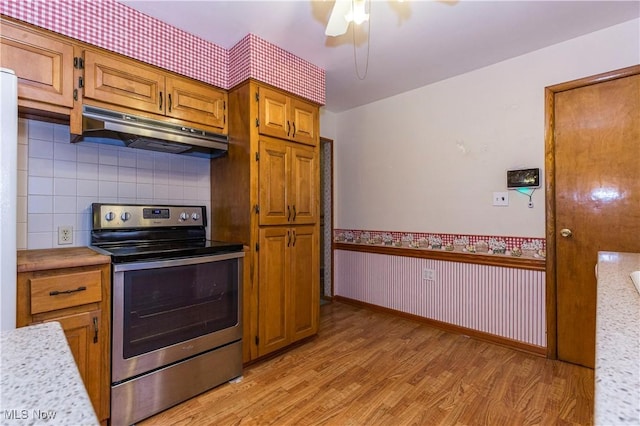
(59, 180)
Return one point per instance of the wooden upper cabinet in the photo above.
(274, 192)
(197, 102)
(114, 80)
(305, 122)
(133, 85)
(304, 189)
(287, 117)
(43, 64)
(288, 191)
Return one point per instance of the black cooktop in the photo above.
(125, 253)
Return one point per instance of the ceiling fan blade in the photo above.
(338, 24)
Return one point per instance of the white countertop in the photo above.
(39, 381)
(617, 372)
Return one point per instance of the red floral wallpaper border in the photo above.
(490, 244)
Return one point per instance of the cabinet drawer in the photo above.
(64, 290)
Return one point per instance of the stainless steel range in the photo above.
(176, 306)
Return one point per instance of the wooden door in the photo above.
(273, 289)
(83, 335)
(125, 83)
(273, 110)
(196, 102)
(304, 282)
(304, 118)
(43, 65)
(304, 191)
(597, 194)
(273, 171)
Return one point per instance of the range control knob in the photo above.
(125, 216)
(195, 216)
(184, 216)
(110, 216)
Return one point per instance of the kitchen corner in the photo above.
(40, 381)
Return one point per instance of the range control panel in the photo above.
(126, 216)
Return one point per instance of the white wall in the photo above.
(428, 160)
(58, 181)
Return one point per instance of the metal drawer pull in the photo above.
(95, 329)
(294, 130)
(56, 292)
(288, 213)
(294, 213)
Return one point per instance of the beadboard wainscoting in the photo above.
(501, 304)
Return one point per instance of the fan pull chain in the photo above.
(353, 33)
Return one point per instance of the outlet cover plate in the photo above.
(65, 235)
(501, 199)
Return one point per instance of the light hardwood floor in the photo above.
(370, 368)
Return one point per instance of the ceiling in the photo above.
(410, 43)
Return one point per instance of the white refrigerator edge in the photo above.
(8, 196)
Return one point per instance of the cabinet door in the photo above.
(273, 179)
(304, 191)
(304, 118)
(43, 64)
(196, 102)
(304, 282)
(273, 291)
(273, 110)
(125, 83)
(83, 335)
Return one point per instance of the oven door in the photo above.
(168, 310)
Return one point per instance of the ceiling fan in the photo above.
(343, 13)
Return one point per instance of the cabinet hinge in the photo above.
(224, 105)
(80, 82)
(257, 247)
(257, 341)
(257, 156)
(257, 208)
(78, 63)
(75, 94)
(257, 96)
(257, 122)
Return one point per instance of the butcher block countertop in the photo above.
(58, 258)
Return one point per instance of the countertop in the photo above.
(617, 371)
(57, 258)
(40, 383)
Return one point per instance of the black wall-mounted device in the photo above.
(523, 178)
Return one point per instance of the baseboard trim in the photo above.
(451, 328)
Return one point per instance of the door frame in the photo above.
(329, 242)
(550, 207)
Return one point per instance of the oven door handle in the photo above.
(167, 263)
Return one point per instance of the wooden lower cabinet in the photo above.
(82, 333)
(78, 297)
(288, 286)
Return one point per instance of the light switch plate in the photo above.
(501, 199)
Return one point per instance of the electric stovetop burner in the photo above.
(135, 232)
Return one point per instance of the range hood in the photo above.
(115, 128)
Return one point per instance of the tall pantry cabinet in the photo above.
(265, 193)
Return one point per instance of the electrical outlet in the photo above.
(428, 274)
(501, 199)
(65, 235)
